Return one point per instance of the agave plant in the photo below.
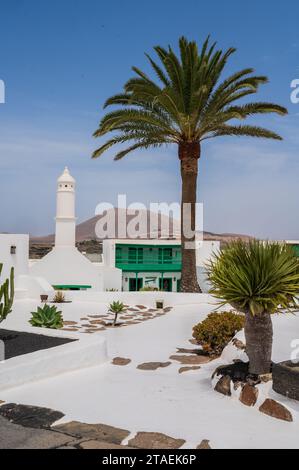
(257, 278)
(116, 308)
(47, 317)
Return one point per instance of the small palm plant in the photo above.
(257, 278)
(59, 298)
(116, 308)
(47, 317)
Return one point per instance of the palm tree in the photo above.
(185, 106)
(257, 278)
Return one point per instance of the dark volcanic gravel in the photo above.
(18, 343)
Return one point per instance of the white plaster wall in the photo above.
(205, 251)
(112, 277)
(19, 260)
(66, 265)
(143, 298)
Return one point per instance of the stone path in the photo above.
(90, 324)
(29, 427)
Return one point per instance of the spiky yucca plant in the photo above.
(257, 278)
(47, 317)
(188, 103)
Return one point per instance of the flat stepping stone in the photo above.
(155, 440)
(167, 309)
(187, 369)
(141, 307)
(121, 361)
(69, 329)
(70, 323)
(153, 365)
(84, 319)
(132, 309)
(97, 322)
(101, 445)
(30, 416)
(194, 359)
(100, 432)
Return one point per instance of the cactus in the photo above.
(6, 295)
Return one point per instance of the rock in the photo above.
(153, 365)
(238, 344)
(183, 359)
(101, 445)
(238, 371)
(249, 395)
(276, 410)
(264, 378)
(69, 329)
(30, 416)
(66, 323)
(100, 432)
(155, 440)
(205, 444)
(121, 361)
(238, 385)
(186, 369)
(141, 307)
(223, 386)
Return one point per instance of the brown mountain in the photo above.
(86, 230)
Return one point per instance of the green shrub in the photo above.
(217, 330)
(47, 317)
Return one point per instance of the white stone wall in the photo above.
(19, 260)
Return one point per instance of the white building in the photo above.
(65, 267)
(153, 263)
(14, 251)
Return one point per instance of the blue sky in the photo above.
(60, 60)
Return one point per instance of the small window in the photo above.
(13, 250)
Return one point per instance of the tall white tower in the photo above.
(65, 234)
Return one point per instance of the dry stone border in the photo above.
(249, 389)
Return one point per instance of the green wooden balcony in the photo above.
(148, 258)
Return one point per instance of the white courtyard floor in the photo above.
(179, 405)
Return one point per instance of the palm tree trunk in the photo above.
(259, 339)
(189, 154)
